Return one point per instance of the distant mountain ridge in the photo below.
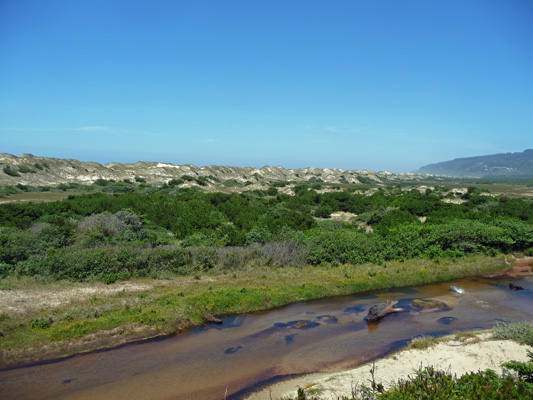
(42, 171)
(491, 166)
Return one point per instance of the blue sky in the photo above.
(380, 85)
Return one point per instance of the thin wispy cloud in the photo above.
(344, 130)
(93, 128)
(337, 129)
(210, 140)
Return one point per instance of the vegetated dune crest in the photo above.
(32, 170)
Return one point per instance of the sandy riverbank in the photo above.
(455, 356)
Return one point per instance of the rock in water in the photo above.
(381, 309)
(209, 319)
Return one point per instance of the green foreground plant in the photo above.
(431, 383)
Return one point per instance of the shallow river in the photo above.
(248, 351)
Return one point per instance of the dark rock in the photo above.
(515, 287)
(381, 309)
(209, 319)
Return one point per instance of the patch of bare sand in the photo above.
(451, 356)
(23, 300)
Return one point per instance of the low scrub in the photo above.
(226, 231)
(423, 342)
(26, 170)
(431, 383)
(519, 332)
(9, 171)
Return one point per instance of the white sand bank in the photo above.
(452, 356)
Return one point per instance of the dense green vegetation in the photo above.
(431, 383)
(116, 236)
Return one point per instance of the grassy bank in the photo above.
(152, 308)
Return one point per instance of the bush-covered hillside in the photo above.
(116, 236)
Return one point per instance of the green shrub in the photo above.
(41, 323)
(10, 172)
(118, 187)
(103, 182)
(110, 278)
(280, 184)
(365, 179)
(423, 342)
(519, 332)
(161, 275)
(175, 182)
(105, 223)
(6, 191)
(232, 183)
(123, 275)
(26, 170)
(272, 191)
(432, 384)
(524, 369)
(323, 211)
(202, 181)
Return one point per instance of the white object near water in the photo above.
(457, 290)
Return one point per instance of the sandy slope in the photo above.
(451, 356)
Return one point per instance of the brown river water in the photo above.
(248, 351)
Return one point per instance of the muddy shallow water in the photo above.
(247, 351)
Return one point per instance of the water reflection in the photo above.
(354, 310)
(446, 320)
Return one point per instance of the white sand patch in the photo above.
(19, 301)
(454, 201)
(451, 356)
(342, 216)
(163, 165)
